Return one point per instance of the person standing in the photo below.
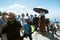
(35, 21)
(42, 25)
(47, 24)
(31, 18)
(3, 23)
(27, 29)
(22, 19)
(12, 29)
(53, 28)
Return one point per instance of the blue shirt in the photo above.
(26, 28)
(17, 18)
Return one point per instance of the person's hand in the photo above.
(22, 28)
(4, 35)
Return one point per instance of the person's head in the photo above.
(27, 19)
(42, 16)
(23, 15)
(27, 14)
(4, 14)
(35, 15)
(11, 16)
(18, 15)
(32, 23)
(53, 22)
(31, 15)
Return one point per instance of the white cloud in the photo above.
(16, 8)
(1, 9)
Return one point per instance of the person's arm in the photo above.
(19, 26)
(22, 28)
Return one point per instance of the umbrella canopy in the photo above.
(39, 10)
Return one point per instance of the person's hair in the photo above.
(18, 15)
(31, 15)
(42, 16)
(35, 15)
(12, 14)
(27, 20)
(26, 14)
(23, 14)
(4, 13)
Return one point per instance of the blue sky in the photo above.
(53, 6)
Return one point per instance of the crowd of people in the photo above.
(11, 25)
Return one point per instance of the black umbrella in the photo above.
(39, 10)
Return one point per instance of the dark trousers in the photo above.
(26, 35)
(47, 28)
(14, 38)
